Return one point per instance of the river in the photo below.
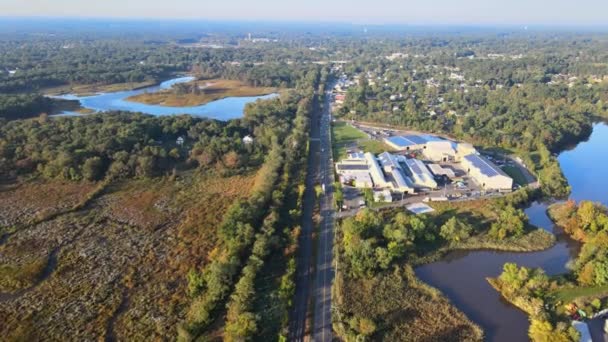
(461, 275)
(223, 109)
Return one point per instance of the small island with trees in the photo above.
(200, 92)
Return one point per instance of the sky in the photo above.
(416, 12)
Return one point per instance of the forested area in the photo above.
(29, 67)
(25, 105)
(123, 144)
(35, 65)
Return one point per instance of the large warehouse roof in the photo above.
(421, 173)
(352, 167)
(401, 141)
(416, 139)
(430, 137)
(484, 166)
(412, 139)
(388, 160)
(400, 180)
(416, 168)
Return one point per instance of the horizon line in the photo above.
(313, 21)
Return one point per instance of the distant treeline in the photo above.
(41, 64)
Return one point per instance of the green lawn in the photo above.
(515, 173)
(374, 146)
(345, 136)
(343, 132)
(569, 294)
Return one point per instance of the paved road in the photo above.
(324, 268)
(297, 330)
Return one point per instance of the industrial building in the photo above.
(486, 174)
(406, 175)
(354, 169)
(374, 169)
(358, 179)
(367, 171)
(441, 151)
(391, 164)
(421, 175)
(447, 151)
(438, 170)
(406, 142)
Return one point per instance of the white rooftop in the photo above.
(420, 208)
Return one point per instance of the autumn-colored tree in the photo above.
(543, 331)
(231, 160)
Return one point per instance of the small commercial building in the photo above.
(383, 196)
(421, 175)
(419, 208)
(359, 179)
(486, 174)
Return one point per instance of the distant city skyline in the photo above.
(416, 12)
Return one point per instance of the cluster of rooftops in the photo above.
(399, 172)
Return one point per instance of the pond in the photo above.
(461, 275)
(223, 109)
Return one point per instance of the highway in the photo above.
(315, 288)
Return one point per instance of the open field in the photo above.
(116, 269)
(345, 137)
(210, 90)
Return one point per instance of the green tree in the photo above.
(244, 327)
(92, 169)
(511, 222)
(455, 230)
